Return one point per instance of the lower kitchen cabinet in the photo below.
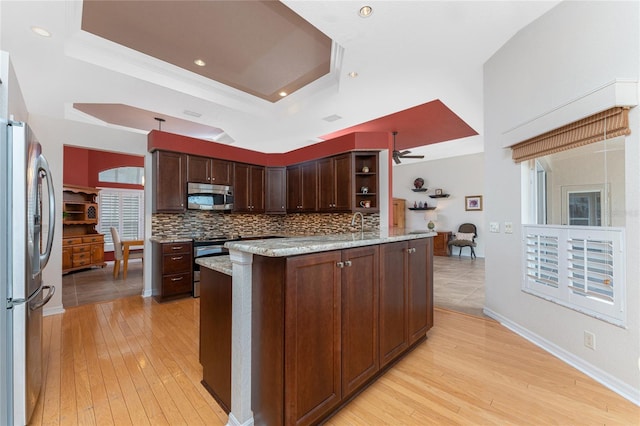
(215, 335)
(172, 270)
(317, 326)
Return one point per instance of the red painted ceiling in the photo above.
(417, 126)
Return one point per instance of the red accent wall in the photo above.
(76, 166)
(82, 166)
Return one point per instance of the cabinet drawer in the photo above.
(93, 239)
(80, 259)
(81, 249)
(176, 263)
(176, 284)
(176, 248)
(71, 241)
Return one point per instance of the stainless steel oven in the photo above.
(206, 248)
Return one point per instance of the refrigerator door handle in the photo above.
(13, 302)
(43, 166)
(52, 291)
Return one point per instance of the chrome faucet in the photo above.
(353, 220)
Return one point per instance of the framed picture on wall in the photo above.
(473, 202)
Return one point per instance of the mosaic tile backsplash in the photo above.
(203, 224)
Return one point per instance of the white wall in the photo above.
(458, 176)
(543, 71)
(53, 134)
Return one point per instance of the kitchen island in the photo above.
(314, 320)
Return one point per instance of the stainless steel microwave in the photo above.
(204, 196)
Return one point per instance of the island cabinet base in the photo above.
(215, 335)
(316, 327)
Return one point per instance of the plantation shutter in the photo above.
(123, 210)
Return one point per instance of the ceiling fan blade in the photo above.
(403, 153)
(412, 156)
(396, 159)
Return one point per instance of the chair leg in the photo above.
(459, 251)
(116, 269)
(473, 253)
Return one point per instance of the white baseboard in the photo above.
(602, 377)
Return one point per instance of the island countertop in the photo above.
(292, 246)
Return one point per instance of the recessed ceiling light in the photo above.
(365, 11)
(41, 31)
(282, 94)
(353, 74)
(191, 113)
(332, 117)
(200, 62)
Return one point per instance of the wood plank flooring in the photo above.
(134, 361)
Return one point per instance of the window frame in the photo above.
(121, 192)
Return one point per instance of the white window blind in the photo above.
(124, 210)
(581, 268)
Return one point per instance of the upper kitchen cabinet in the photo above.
(209, 170)
(276, 190)
(302, 187)
(334, 183)
(248, 196)
(169, 182)
(365, 183)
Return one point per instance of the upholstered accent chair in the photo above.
(465, 237)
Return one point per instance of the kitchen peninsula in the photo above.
(313, 320)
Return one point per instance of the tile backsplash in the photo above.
(198, 224)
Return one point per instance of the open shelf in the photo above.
(440, 196)
(422, 208)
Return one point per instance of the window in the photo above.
(124, 210)
(131, 175)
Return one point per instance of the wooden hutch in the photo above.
(82, 245)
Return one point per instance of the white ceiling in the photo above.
(406, 54)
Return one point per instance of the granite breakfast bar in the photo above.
(314, 320)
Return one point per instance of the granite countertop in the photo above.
(281, 247)
(217, 263)
(170, 240)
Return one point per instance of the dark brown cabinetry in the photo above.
(406, 295)
(275, 193)
(173, 265)
(169, 182)
(334, 183)
(215, 334)
(319, 320)
(209, 170)
(248, 196)
(302, 187)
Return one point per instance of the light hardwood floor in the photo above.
(134, 361)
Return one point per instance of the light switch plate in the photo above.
(494, 227)
(508, 227)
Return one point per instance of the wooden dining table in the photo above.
(126, 245)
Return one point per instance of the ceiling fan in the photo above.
(397, 155)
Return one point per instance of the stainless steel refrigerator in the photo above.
(27, 198)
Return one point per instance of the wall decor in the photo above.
(473, 202)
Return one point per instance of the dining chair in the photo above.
(121, 253)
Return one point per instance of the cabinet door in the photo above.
(97, 253)
(326, 185)
(342, 181)
(294, 188)
(170, 182)
(67, 258)
(275, 192)
(420, 296)
(256, 189)
(241, 188)
(394, 338)
(198, 169)
(221, 172)
(312, 350)
(360, 356)
(309, 186)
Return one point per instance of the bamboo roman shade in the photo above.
(607, 124)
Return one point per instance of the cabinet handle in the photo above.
(340, 264)
(411, 250)
(347, 263)
(177, 258)
(177, 279)
(176, 247)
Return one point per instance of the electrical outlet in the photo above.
(508, 227)
(494, 227)
(590, 340)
